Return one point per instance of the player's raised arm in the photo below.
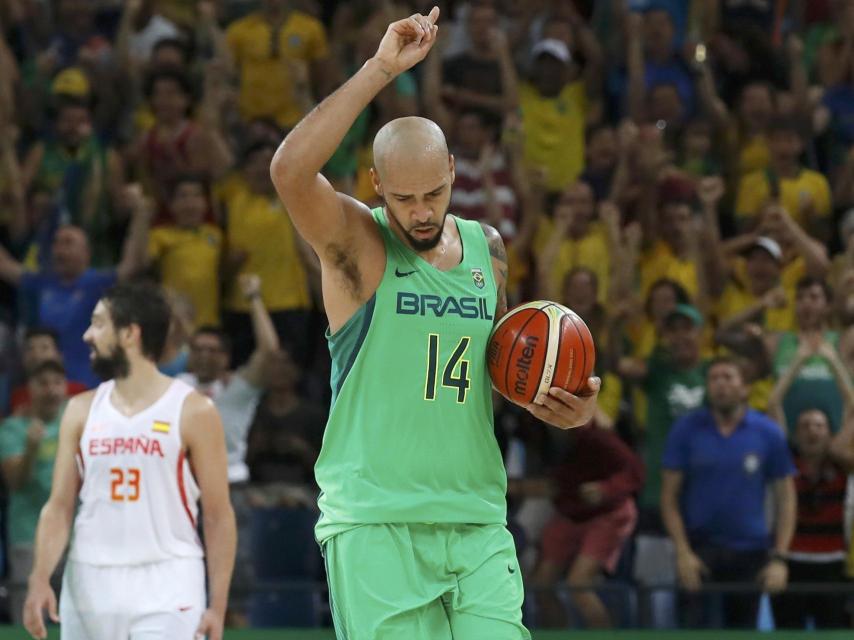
(318, 212)
(56, 517)
(202, 433)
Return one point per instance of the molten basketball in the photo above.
(536, 346)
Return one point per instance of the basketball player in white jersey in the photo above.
(139, 451)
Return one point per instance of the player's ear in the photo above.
(375, 180)
(452, 167)
(129, 335)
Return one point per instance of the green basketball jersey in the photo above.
(410, 436)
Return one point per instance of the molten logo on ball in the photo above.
(523, 365)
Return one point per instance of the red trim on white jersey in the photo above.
(181, 458)
(81, 464)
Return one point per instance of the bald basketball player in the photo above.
(138, 453)
(413, 508)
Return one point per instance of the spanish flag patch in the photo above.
(160, 427)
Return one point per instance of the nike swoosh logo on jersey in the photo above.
(182, 609)
(403, 274)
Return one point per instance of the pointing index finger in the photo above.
(433, 15)
(417, 28)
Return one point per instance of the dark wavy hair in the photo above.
(144, 304)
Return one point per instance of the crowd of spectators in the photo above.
(678, 172)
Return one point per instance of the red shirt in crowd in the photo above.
(596, 455)
(20, 399)
(468, 199)
(820, 526)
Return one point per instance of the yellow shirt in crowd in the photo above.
(793, 271)
(753, 154)
(736, 298)
(611, 395)
(518, 270)
(754, 191)
(182, 12)
(660, 262)
(554, 132)
(259, 225)
(642, 336)
(265, 82)
(590, 251)
(760, 393)
(188, 261)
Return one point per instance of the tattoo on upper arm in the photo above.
(501, 306)
(496, 244)
(499, 257)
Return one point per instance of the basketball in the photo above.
(536, 346)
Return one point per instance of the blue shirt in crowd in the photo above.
(67, 308)
(725, 477)
(678, 10)
(839, 100)
(673, 72)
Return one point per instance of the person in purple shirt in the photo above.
(63, 296)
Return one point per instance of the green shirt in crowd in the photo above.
(815, 387)
(26, 503)
(671, 393)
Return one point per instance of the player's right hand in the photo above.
(210, 626)
(407, 42)
(40, 596)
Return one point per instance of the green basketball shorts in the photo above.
(425, 582)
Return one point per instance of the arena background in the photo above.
(600, 204)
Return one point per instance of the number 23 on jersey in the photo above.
(124, 484)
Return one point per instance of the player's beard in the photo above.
(113, 365)
(415, 243)
(428, 243)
